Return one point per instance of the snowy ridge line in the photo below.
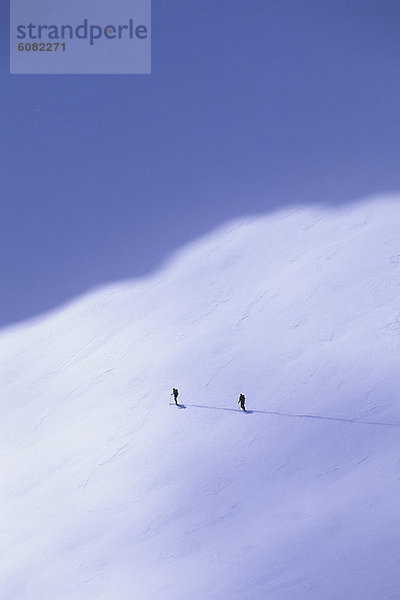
(107, 492)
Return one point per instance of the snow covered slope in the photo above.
(108, 492)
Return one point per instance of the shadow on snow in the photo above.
(301, 416)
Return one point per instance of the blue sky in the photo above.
(251, 105)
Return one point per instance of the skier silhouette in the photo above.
(241, 401)
(175, 393)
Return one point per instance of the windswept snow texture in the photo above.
(108, 492)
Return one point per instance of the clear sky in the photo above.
(252, 105)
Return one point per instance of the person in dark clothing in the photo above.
(241, 401)
(175, 393)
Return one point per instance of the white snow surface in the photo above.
(108, 492)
